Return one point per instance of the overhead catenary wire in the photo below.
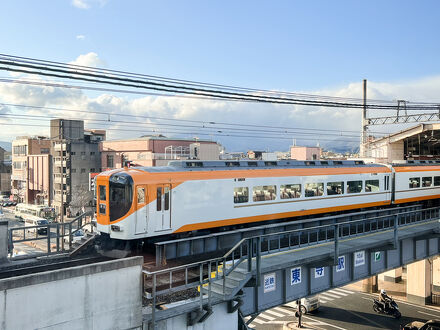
(93, 75)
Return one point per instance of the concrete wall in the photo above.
(39, 179)
(98, 296)
(219, 320)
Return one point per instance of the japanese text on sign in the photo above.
(269, 282)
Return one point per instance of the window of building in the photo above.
(92, 153)
(414, 182)
(83, 170)
(73, 153)
(314, 189)
(141, 195)
(264, 193)
(427, 181)
(241, 195)
(73, 170)
(372, 185)
(354, 187)
(289, 191)
(44, 150)
(335, 188)
(92, 170)
(110, 161)
(83, 153)
(437, 181)
(20, 150)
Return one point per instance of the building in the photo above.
(420, 142)
(305, 153)
(5, 174)
(75, 153)
(154, 151)
(22, 148)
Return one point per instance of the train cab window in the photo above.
(335, 188)
(354, 187)
(290, 191)
(159, 199)
(314, 189)
(121, 195)
(264, 193)
(372, 186)
(241, 195)
(427, 181)
(437, 181)
(102, 193)
(414, 182)
(141, 195)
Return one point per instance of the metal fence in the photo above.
(54, 235)
(249, 250)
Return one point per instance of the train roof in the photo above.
(200, 165)
(399, 163)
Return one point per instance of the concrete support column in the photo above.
(394, 275)
(3, 240)
(436, 274)
(418, 282)
(369, 285)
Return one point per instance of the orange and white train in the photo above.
(145, 202)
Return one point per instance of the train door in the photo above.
(163, 206)
(142, 210)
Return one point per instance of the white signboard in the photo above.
(359, 258)
(269, 282)
(341, 264)
(319, 272)
(295, 275)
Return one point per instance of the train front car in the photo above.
(115, 207)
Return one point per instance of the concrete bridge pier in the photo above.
(394, 275)
(418, 282)
(369, 285)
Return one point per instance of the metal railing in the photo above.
(52, 233)
(250, 250)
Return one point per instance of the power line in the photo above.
(65, 71)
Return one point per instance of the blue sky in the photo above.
(305, 46)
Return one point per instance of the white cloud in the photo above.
(87, 4)
(80, 37)
(208, 111)
(89, 59)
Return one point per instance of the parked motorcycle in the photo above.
(392, 308)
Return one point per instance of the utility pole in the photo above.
(364, 136)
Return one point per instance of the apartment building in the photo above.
(75, 153)
(155, 151)
(22, 148)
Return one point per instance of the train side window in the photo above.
(372, 186)
(427, 181)
(167, 198)
(335, 188)
(414, 182)
(102, 193)
(290, 191)
(314, 189)
(437, 181)
(264, 193)
(241, 195)
(159, 199)
(354, 187)
(141, 195)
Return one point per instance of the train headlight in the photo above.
(116, 228)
